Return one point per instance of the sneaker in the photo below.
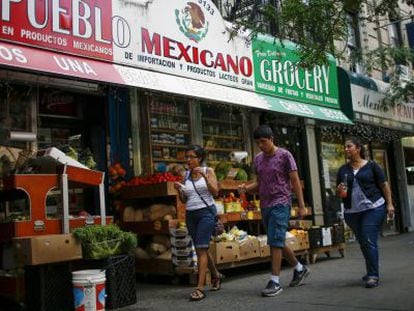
(299, 276)
(371, 282)
(272, 289)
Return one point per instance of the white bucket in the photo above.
(89, 290)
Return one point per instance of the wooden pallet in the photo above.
(314, 252)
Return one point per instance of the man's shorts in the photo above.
(276, 221)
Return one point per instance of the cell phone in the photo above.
(182, 186)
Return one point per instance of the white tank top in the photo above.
(194, 202)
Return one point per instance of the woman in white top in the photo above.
(198, 187)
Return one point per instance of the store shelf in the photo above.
(169, 145)
(231, 184)
(55, 116)
(146, 191)
(223, 136)
(240, 216)
(170, 114)
(147, 227)
(168, 160)
(220, 149)
(168, 130)
(222, 121)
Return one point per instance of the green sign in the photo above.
(305, 110)
(277, 74)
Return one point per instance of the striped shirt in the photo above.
(194, 202)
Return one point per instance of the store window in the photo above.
(332, 158)
(222, 131)
(353, 44)
(73, 123)
(170, 130)
(15, 117)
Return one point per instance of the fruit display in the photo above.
(153, 179)
(223, 169)
(117, 175)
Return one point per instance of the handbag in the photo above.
(219, 228)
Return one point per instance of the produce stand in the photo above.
(36, 241)
(238, 255)
(36, 187)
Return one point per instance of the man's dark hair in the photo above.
(263, 131)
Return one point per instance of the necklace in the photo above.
(358, 164)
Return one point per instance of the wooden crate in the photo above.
(229, 184)
(147, 191)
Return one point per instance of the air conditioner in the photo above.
(404, 72)
(359, 68)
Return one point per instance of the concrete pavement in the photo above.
(334, 284)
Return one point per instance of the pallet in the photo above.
(314, 252)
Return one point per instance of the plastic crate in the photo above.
(182, 251)
(49, 287)
(181, 241)
(120, 280)
(315, 237)
(178, 232)
(183, 261)
(338, 234)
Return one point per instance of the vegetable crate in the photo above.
(49, 287)
(319, 237)
(338, 234)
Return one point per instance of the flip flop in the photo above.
(197, 295)
(216, 282)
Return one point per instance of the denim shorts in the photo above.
(201, 224)
(276, 221)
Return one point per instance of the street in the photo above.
(334, 284)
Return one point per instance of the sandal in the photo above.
(197, 295)
(216, 282)
(371, 282)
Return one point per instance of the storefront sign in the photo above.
(370, 104)
(38, 60)
(277, 74)
(185, 38)
(183, 41)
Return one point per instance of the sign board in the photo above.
(181, 38)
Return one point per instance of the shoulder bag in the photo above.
(219, 228)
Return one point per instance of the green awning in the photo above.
(305, 110)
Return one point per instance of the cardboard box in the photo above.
(300, 224)
(264, 248)
(36, 250)
(298, 242)
(249, 248)
(223, 252)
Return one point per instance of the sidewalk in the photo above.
(334, 284)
